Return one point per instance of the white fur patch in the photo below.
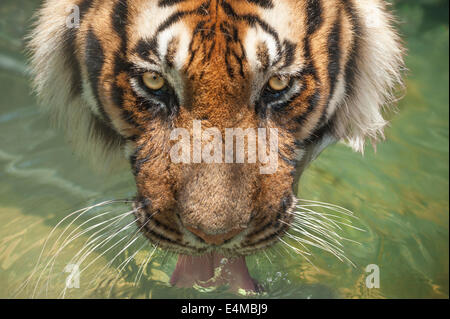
(380, 65)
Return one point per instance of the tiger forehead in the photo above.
(263, 31)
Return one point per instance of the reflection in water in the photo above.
(399, 196)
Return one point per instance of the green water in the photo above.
(400, 194)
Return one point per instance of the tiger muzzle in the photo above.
(213, 205)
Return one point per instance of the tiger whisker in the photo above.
(320, 230)
(123, 265)
(315, 225)
(321, 244)
(80, 212)
(144, 265)
(69, 240)
(327, 205)
(304, 226)
(101, 254)
(130, 242)
(347, 222)
(68, 226)
(328, 233)
(110, 235)
(300, 252)
(265, 253)
(310, 214)
(103, 242)
(137, 233)
(333, 221)
(316, 241)
(300, 216)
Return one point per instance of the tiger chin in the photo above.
(120, 75)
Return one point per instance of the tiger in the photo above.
(119, 76)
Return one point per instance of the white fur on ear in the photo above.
(378, 69)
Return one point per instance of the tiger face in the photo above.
(132, 71)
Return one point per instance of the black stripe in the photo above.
(318, 133)
(198, 28)
(271, 223)
(267, 4)
(174, 18)
(334, 67)
(144, 46)
(262, 229)
(314, 16)
(268, 238)
(280, 107)
(351, 66)
(290, 162)
(84, 6)
(134, 156)
(314, 21)
(334, 55)
(99, 127)
(252, 20)
(289, 53)
(129, 117)
(147, 228)
(230, 52)
(172, 48)
(313, 100)
(263, 56)
(137, 165)
(117, 96)
(167, 228)
(177, 16)
(95, 60)
(239, 59)
(161, 237)
(211, 49)
(70, 49)
(71, 62)
(119, 19)
(168, 3)
(133, 138)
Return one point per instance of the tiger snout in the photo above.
(211, 206)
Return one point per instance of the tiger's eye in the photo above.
(277, 83)
(153, 81)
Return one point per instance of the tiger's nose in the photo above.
(214, 239)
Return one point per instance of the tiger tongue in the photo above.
(212, 270)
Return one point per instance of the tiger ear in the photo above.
(375, 73)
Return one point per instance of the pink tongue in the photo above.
(212, 270)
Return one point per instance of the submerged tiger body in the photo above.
(319, 71)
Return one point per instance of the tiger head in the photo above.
(120, 76)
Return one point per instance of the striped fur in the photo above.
(343, 56)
